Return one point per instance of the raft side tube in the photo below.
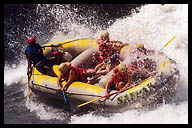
(83, 57)
(74, 47)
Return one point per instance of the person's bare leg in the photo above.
(98, 67)
(120, 85)
(105, 71)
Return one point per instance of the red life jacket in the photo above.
(105, 48)
(126, 77)
(80, 73)
(118, 77)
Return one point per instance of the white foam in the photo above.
(43, 111)
(166, 114)
(15, 74)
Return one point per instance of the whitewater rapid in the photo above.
(154, 25)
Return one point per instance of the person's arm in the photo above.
(59, 80)
(128, 83)
(113, 41)
(125, 87)
(109, 83)
(70, 80)
(119, 45)
(119, 42)
(122, 45)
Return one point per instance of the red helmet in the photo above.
(31, 40)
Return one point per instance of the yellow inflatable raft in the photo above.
(78, 51)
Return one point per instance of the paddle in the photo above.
(64, 97)
(167, 43)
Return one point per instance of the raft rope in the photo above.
(68, 92)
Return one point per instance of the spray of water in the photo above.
(14, 74)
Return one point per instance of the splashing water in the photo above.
(14, 74)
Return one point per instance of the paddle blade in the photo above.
(89, 102)
(169, 41)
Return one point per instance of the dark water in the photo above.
(21, 21)
(14, 110)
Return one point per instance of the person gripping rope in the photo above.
(71, 74)
(120, 79)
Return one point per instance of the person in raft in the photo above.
(35, 56)
(146, 63)
(71, 74)
(120, 80)
(141, 50)
(106, 51)
(57, 56)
